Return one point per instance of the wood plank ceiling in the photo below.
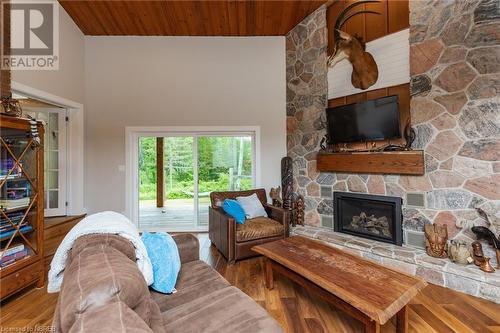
(188, 18)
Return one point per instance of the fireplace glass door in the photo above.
(374, 217)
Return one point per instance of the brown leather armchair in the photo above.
(235, 240)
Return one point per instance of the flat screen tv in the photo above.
(371, 120)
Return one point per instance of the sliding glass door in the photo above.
(178, 172)
(225, 163)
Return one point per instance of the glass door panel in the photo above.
(54, 151)
(177, 208)
(224, 164)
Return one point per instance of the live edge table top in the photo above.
(375, 290)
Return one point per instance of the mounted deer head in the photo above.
(364, 67)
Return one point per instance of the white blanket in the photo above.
(100, 223)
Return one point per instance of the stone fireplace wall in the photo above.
(455, 110)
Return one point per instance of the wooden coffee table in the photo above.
(361, 288)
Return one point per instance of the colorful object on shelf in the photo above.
(24, 229)
(7, 204)
(12, 249)
(15, 219)
(10, 259)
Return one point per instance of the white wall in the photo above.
(64, 86)
(178, 81)
(66, 82)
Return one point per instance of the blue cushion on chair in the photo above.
(234, 209)
(164, 255)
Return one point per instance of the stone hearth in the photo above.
(467, 279)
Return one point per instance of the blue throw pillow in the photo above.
(164, 255)
(234, 209)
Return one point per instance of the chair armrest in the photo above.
(221, 214)
(222, 232)
(189, 247)
(280, 215)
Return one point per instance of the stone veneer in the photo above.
(468, 279)
(455, 110)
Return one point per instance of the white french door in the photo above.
(54, 149)
(195, 163)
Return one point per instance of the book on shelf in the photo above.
(14, 248)
(23, 229)
(14, 203)
(8, 260)
(11, 176)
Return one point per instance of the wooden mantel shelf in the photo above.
(391, 162)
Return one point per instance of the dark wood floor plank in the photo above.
(431, 319)
(292, 316)
(458, 311)
(314, 325)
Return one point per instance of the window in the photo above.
(173, 170)
(54, 120)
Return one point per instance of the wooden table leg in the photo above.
(372, 327)
(402, 320)
(269, 275)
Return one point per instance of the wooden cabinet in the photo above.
(21, 205)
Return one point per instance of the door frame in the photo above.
(132, 135)
(75, 159)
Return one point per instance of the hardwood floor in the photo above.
(435, 309)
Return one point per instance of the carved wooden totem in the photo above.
(436, 237)
(299, 210)
(287, 182)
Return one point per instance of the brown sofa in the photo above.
(235, 240)
(104, 291)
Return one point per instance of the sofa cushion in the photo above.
(105, 319)
(252, 206)
(164, 256)
(98, 274)
(196, 279)
(225, 310)
(217, 198)
(234, 209)
(257, 228)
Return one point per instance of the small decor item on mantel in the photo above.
(486, 266)
(477, 253)
(274, 193)
(459, 252)
(489, 233)
(436, 238)
(11, 107)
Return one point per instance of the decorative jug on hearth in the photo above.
(459, 252)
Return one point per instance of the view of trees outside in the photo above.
(224, 163)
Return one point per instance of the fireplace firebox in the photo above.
(375, 217)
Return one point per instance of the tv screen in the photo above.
(372, 120)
